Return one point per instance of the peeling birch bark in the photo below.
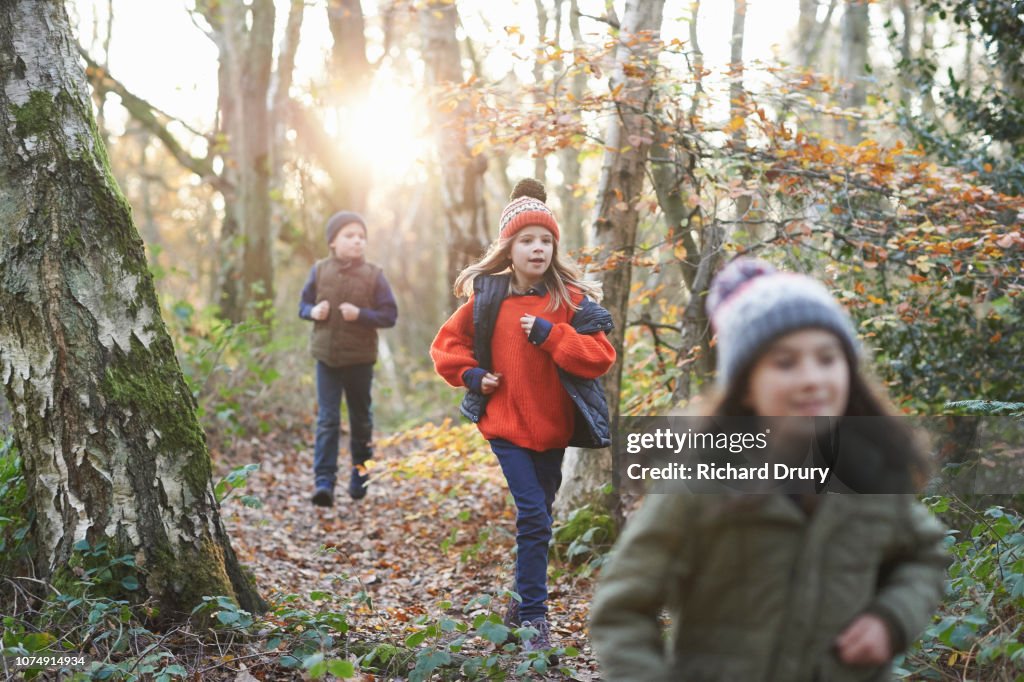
(103, 419)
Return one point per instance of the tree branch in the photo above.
(155, 121)
(610, 20)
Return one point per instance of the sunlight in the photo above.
(386, 131)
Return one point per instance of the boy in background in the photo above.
(348, 299)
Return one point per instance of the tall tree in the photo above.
(697, 242)
(617, 215)
(462, 187)
(249, 102)
(810, 32)
(106, 426)
(244, 36)
(540, 160)
(853, 62)
(569, 157)
(738, 105)
(279, 100)
(351, 74)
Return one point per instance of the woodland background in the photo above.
(876, 145)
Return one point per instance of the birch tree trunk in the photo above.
(462, 187)
(106, 426)
(627, 143)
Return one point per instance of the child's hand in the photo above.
(489, 384)
(349, 312)
(865, 641)
(320, 311)
(526, 322)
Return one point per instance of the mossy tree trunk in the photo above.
(103, 419)
(627, 144)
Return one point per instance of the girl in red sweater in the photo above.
(528, 346)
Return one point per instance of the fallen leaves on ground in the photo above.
(434, 534)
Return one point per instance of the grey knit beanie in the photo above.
(340, 220)
(751, 304)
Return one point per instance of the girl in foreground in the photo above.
(785, 588)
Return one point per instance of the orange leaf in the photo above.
(735, 124)
(917, 278)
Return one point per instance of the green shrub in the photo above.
(584, 539)
(225, 365)
(979, 633)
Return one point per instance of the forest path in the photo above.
(436, 526)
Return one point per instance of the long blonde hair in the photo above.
(562, 274)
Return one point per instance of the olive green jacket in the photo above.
(758, 590)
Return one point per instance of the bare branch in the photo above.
(155, 121)
(610, 20)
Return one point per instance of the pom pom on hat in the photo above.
(529, 187)
(340, 220)
(527, 208)
(733, 276)
(751, 304)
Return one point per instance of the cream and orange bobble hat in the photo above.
(527, 208)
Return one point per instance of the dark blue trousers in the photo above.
(352, 382)
(533, 479)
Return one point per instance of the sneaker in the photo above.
(511, 617)
(511, 620)
(357, 483)
(323, 497)
(541, 641)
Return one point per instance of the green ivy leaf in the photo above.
(493, 632)
(341, 668)
(415, 639)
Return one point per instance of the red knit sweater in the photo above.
(530, 407)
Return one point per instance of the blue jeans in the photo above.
(332, 383)
(533, 479)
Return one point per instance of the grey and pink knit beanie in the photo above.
(527, 208)
(751, 304)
